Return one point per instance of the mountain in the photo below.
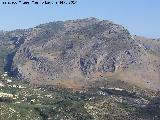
(84, 69)
(75, 53)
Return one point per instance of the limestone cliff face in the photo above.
(79, 51)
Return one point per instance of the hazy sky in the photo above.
(141, 17)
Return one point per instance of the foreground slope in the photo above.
(115, 100)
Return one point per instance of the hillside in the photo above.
(115, 100)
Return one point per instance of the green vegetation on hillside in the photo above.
(104, 101)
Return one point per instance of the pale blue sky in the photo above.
(141, 17)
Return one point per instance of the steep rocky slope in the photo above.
(75, 53)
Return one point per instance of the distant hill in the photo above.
(149, 44)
